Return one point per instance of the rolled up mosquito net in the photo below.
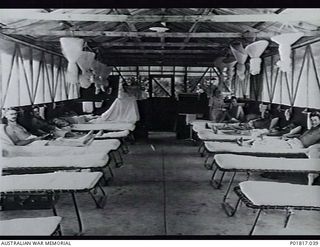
(255, 50)
(285, 41)
(85, 62)
(72, 50)
(241, 56)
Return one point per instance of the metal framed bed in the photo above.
(53, 184)
(39, 226)
(253, 195)
(248, 164)
(214, 148)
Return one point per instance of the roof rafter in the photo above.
(303, 16)
(146, 34)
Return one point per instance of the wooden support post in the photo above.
(185, 79)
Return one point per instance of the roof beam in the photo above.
(135, 51)
(155, 44)
(146, 34)
(303, 15)
(131, 27)
(196, 25)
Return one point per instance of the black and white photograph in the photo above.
(160, 123)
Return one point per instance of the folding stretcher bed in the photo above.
(236, 163)
(53, 184)
(41, 226)
(109, 126)
(27, 165)
(272, 195)
(39, 149)
(200, 125)
(214, 148)
(222, 136)
(120, 135)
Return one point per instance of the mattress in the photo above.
(233, 161)
(234, 148)
(41, 226)
(38, 149)
(68, 161)
(110, 126)
(209, 135)
(113, 134)
(281, 194)
(49, 181)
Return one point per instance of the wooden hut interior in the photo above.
(160, 121)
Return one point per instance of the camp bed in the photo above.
(40, 149)
(108, 126)
(222, 136)
(40, 226)
(120, 135)
(213, 148)
(53, 184)
(262, 195)
(38, 164)
(249, 164)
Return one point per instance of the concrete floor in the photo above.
(163, 189)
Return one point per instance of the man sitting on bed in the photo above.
(263, 124)
(39, 126)
(20, 136)
(287, 128)
(307, 139)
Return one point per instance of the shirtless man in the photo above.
(21, 137)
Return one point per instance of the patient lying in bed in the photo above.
(308, 138)
(14, 133)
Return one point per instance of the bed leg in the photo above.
(229, 209)
(255, 221)
(78, 214)
(289, 212)
(101, 202)
(125, 147)
(52, 202)
(206, 165)
(201, 149)
(214, 183)
(120, 162)
(114, 157)
(229, 186)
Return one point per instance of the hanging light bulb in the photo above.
(159, 27)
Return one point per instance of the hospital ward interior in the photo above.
(160, 122)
